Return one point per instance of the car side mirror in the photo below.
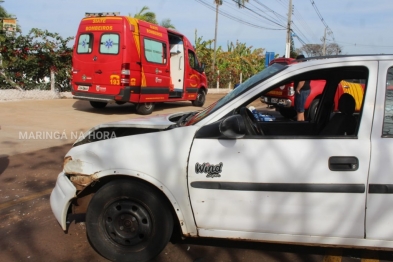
(233, 127)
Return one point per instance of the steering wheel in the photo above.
(250, 122)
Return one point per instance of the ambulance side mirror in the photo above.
(201, 69)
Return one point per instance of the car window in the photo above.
(332, 107)
(192, 59)
(155, 51)
(241, 89)
(85, 44)
(387, 130)
(109, 44)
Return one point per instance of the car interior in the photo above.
(331, 120)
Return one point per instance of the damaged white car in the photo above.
(224, 173)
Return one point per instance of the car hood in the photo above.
(155, 122)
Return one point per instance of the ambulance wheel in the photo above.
(96, 104)
(145, 108)
(128, 220)
(200, 100)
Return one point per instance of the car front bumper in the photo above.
(60, 199)
(281, 102)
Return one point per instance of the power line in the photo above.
(234, 18)
(244, 6)
(355, 44)
(283, 18)
(304, 24)
(323, 20)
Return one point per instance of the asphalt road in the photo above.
(28, 171)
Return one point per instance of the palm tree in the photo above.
(150, 17)
(240, 4)
(145, 15)
(167, 23)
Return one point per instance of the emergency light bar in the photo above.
(102, 14)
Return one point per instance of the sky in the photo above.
(358, 26)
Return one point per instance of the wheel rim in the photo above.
(127, 223)
(148, 106)
(200, 97)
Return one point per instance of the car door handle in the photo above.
(98, 72)
(343, 163)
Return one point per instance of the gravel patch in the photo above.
(16, 95)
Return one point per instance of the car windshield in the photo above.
(242, 88)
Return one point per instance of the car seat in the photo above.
(343, 122)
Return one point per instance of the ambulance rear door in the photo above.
(98, 55)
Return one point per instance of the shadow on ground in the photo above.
(4, 162)
(114, 109)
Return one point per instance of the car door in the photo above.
(305, 185)
(380, 192)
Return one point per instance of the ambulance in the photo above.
(120, 59)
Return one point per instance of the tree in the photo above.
(145, 15)
(240, 4)
(167, 23)
(293, 53)
(238, 59)
(29, 59)
(317, 49)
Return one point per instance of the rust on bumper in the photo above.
(74, 168)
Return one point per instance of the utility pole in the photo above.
(218, 2)
(288, 43)
(324, 43)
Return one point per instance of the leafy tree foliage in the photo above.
(238, 59)
(167, 23)
(148, 16)
(145, 15)
(317, 49)
(29, 59)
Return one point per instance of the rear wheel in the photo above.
(145, 108)
(128, 221)
(200, 100)
(312, 110)
(96, 104)
(287, 112)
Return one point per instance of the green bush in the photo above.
(29, 59)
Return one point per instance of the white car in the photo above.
(220, 173)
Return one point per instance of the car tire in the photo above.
(287, 112)
(312, 110)
(145, 108)
(200, 100)
(127, 220)
(96, 104)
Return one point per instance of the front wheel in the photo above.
(200, 100)
(96, 104)
(127, 221)
(145, 108)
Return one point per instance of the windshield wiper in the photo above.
(185, 118)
